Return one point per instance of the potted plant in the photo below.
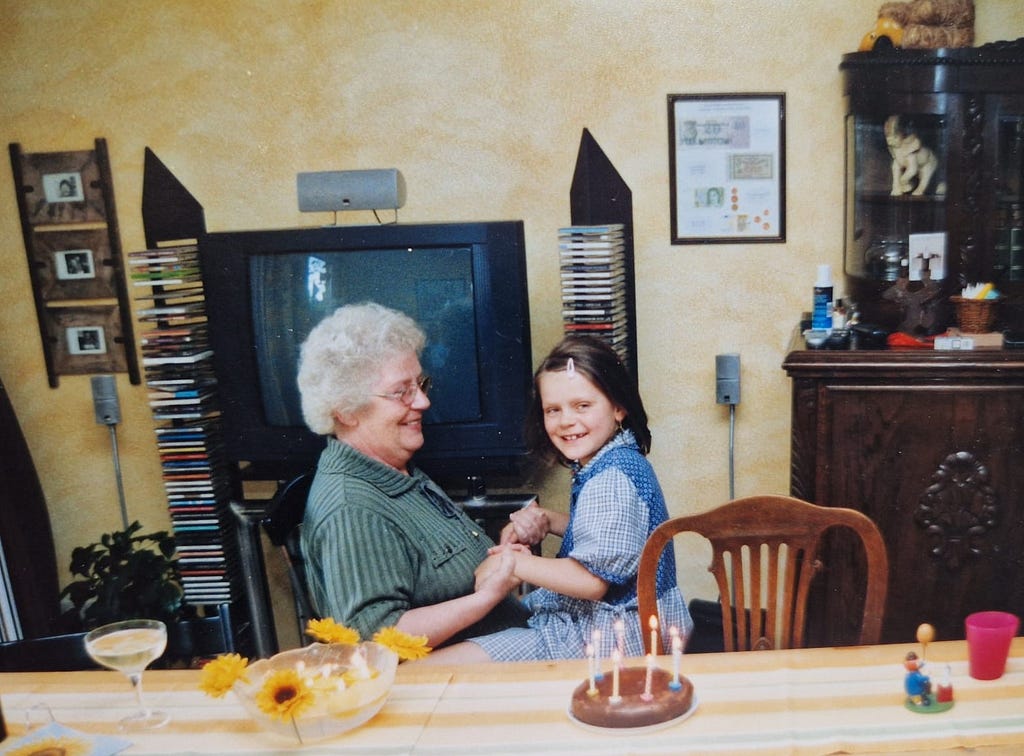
(125, 575)
(128, 574)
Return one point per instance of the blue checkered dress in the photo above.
(615, 503)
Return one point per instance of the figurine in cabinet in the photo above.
(913, 164)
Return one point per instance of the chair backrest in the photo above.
(283, 526)
(765, 551)
(53, 653)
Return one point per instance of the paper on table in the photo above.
(56, 738)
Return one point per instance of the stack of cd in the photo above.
(593, 274)
(183, 397)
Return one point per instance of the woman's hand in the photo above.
(497, 572)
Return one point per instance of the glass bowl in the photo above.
(344, 686)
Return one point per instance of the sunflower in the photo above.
(328, 631)
(284, 695)
(406, 646)
(62, 745)
(219, 675)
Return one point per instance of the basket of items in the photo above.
(976, 309)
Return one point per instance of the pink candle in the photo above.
(646, 695)
(653, 623)
(620, 636)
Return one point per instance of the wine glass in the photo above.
(129, 647)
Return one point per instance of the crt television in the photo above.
(464, 283)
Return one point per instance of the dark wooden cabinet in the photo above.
(930, 445)
(956, 116)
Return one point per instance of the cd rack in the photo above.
(593, 274)
(182, 394)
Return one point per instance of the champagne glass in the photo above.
(129, 647)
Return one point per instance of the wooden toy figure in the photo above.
(918, 685)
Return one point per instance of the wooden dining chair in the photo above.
(765, 552)
(283, 526)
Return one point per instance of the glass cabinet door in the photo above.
(1009, 197)
(896, 225)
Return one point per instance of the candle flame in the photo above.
(653, 622)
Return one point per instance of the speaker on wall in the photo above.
(104, 400)
(727, 378)
(377, 189)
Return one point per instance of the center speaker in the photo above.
(377, 189)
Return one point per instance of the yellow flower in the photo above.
(328, 631)
(405, 645)
(63, 745)
(284, 695)
(219, 675)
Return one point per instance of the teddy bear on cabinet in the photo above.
(922, 24)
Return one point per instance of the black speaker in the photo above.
(104, 400)
(727, 378)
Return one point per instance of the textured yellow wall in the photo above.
(481, 105)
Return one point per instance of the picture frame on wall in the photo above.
(86, 339)
(727, 168)
(73, 265)
(62, 187)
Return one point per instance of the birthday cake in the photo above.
(664, 704)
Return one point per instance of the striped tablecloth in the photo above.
(812, 701)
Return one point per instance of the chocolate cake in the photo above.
(632, 711)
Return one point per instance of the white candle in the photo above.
(646, 695)
(616, 661)
(595, 639)
(592, 689)
(677, 654)
(620, 636)
(653, 623)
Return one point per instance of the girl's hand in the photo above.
(527, 525)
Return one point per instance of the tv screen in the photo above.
(465, 284)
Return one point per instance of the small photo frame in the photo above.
(727, 168)
(73, 265)
(86, 339)
(62, 187)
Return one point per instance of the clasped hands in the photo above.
(526, 526)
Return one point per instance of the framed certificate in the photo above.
(727, 168)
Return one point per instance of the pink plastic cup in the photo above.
(988, 642)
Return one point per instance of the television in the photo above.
(464, 283)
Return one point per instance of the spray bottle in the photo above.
(821, 313)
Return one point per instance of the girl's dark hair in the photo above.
(595, 360)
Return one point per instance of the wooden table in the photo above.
(766, 702)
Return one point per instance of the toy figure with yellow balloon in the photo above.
(924, 696)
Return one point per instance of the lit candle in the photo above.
(595, 638)
(592, 690)
(620, 636)
(653, 623)
(646, 695)
(616, 661)
(677, 654)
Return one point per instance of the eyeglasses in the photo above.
(408, 394)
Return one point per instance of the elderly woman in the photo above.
(384, 544)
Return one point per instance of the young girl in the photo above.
(587, 414)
